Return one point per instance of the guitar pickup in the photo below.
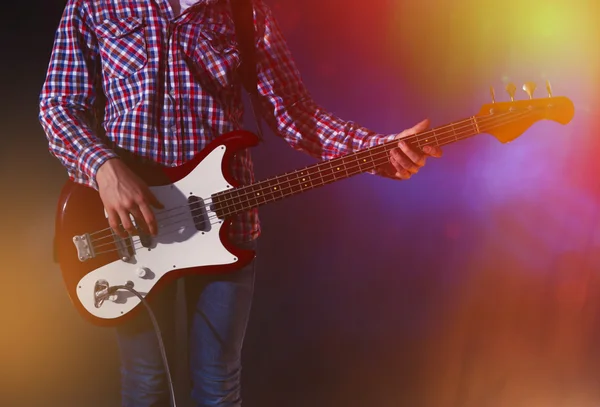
(85, 249)
(199, 213)
(124, 247)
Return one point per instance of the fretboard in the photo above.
(241, 199)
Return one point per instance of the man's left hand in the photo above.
(405, 159)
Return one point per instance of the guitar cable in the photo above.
(161, 345)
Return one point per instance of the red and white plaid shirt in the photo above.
(171, 88)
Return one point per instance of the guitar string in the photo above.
(250, 191)
(185, 213)
(408, 138)
(464, 124)
(442, 140)
(288, 179)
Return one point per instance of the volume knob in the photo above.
(142, 272)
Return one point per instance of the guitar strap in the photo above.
(243, 19)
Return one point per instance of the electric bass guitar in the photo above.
(200, 197)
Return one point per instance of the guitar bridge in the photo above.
(85, 249)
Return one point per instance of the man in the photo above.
(169, 72)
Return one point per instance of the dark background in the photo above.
(473, 284)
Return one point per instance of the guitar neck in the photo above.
(241, 199)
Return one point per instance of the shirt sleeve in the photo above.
(290, 110)
(68, 95)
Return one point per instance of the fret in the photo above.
(332, 172)
(235, 202)
(432, 139)
(363, 161)
(326, 172)
(295, 187)
(424, 139)
(356, 168)
(284, 184)
(344, 167)
(217, 203)
(281, 185)
(304, 179)
(338, 169)
(369, 159)
(359, 163)
(265, 191)
(350, 165)
(380, 155)
(475, 125)
(261, 193)
(448, 136)
(275, 189)
(280, 188)
(226, 204)
(319, 172)
(317, 177)
(453, 132)
(251, 198)
(222, 203)
(238, 200)
(298, 185)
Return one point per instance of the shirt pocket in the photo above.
(218, 56)
(122, 46)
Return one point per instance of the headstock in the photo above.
(508, 120)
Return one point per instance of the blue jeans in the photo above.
(218, 307)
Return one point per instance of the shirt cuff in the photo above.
(91, 158)
(378, 139)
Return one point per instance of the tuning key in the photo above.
(493, 93)
(529, 88)
(511, 89)
(549, 88)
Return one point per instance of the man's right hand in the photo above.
(124, 193)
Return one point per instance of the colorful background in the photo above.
(476, 283)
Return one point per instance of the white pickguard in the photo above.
(178, 245)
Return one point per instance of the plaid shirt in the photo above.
(171, 87)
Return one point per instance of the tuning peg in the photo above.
(493, 93)
(529, 88)
(549, 88)
(511, 89)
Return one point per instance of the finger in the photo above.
(113, 221)
(417, 128)
(153, 200)
(417, 157)
(149, 219)
(127, 223)
(403, 174)
(401, 162)
(387, 170)
(433, 151)
(140, 222)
